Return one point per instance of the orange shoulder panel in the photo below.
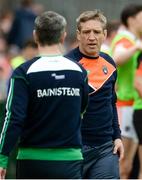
(99, 71)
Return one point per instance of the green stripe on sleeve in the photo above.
(8, 114)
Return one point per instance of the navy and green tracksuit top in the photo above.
(100, 122)
(46, 98)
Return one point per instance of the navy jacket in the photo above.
(100, 122)
(46, 98)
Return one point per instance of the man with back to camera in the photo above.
(100, 130)
(46, 98)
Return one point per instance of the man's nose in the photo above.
(92, 36)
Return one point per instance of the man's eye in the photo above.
(86, 32)
(97, 32)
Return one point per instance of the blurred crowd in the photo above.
(123, 41)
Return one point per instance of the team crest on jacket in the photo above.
(105, 70)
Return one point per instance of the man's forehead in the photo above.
(91, 24)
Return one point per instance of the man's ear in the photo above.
(63, 36)
(35, 36)
(105, 34)
(78, 35)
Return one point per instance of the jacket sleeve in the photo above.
(116, 128)
(16, 112)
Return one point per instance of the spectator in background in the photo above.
(28, 51)
(112, 27)
(6, 19)
(38, 8)
(126, 47)
(23, 24)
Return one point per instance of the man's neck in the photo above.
(51, 50)
(94, 55)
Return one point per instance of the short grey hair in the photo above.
(49, 27)
(95, 14)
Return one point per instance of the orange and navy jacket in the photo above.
(100, 122)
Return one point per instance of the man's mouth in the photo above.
(92, 45)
